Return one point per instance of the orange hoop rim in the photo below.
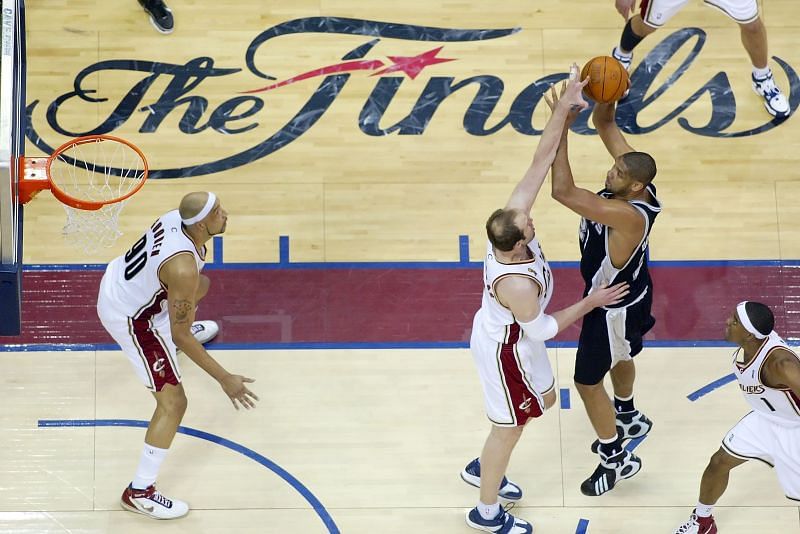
(90, 205)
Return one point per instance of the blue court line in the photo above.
(218, 251)
(241, 449)
(565, 404)
(463, 248)
(708, 388)
(324, 345)
(583, 526)
(632, 444)
(284, 263)
(283, 250)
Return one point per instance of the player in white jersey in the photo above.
(147, 302)
(653, 14)
(509, 330)
(768, 373)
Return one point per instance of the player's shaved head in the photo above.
(192, 204)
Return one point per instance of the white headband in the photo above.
(212, 199)
(745, 320)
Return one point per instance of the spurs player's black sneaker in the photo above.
(630, 425)
(610, 471)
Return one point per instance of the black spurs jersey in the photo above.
(596, 266)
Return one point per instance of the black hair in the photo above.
(640, 166)
(760, 316)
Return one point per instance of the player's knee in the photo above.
(640, 28)
(721, 461)
(588, 390)
(172, 400)
(549, 400)
(507, 434)
(753, 27)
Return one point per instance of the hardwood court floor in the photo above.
(379, 437)
(343, 195)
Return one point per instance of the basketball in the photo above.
(608, 79)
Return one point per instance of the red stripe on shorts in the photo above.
(155, 353)
(523, 400)
(643, 9)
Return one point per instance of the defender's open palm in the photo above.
(570, 95)
(607, 296)
(235, 388)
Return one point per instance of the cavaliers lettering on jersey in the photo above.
(596, 266)
(497, 320)
(778, 404)
(131, 281)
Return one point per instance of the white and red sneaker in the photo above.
(151, 503)
(204, 331)
(698, 525)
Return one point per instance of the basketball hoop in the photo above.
(92, 176)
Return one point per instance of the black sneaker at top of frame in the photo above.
(160, 15)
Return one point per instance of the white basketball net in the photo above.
(92, 231)
(101, 170)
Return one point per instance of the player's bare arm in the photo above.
(603, 118)
(527, 189)
(782, 370)
(179, 274)
(520, 295)
(613, 213)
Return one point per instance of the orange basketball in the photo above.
(608, 79)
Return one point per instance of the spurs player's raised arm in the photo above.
(520, 295)
(606, 125)
(527, 189)
(180, 276)
(782, 370)
(615, 213)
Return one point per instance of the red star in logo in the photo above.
(412, 66)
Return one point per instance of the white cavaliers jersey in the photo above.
(496, 318)
(778, 404)
(131, 281)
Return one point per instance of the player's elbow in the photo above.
(181, 336)
(559, 191)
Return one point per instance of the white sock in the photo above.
(703, 510)
(488, 511)
(149, 464)
(762, 73)
(618, 51)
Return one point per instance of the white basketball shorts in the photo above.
(515, 376)
(656, 13)
(757, 437)
(146, 340)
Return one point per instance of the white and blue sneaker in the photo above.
(630, 425)
(774, 99)
(472, 476)
(503, 523)
(204, 331)
(626, 62)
